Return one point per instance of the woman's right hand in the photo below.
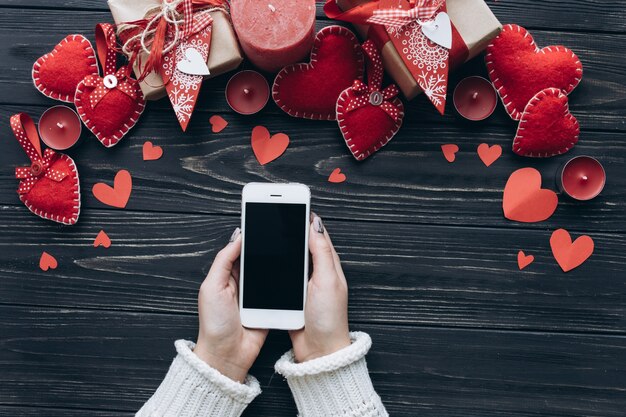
(326, 310)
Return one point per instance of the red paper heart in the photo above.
(519, 69)
(118, 195)
(102, 240)
(568, 254)
(524, 260)
(524, 200)
(57, 73)
(489, 154)
(546, 128)
(266, 148)
(217, 123)
(311, 90)
(337, 176)
(151, 152)
(47, 261)
(449, 151)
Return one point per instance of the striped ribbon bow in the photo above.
(371, 93)
(424, 10)
(26, 134)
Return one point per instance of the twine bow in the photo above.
(422, 12)
(371, 93)
(26, 134)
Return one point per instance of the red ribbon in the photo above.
(26, 134)
(371, 93)
(422, 10)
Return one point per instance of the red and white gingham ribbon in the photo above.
(424, 10)
(365, 93)
(26, 134)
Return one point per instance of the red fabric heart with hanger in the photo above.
(111, 105)
(49, 187)
(369, 117)
(57, 73)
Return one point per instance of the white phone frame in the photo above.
(257, 192)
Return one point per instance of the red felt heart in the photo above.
(311, 90)
(546, 128)
(57, 73)
(519, 69)
(524, 200)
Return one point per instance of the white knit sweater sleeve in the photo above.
(334, 385)
(192, 388)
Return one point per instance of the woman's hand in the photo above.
(326, 311)
(223, 342)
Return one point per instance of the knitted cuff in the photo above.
(192, 388)
(334, 385)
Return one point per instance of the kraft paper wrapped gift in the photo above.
(473, 19)
(224, 52)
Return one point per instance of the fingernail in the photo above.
(235, 234)
(318, 225)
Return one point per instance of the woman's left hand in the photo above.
(223, 342)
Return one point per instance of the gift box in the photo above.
(224, 53)
(473, 23)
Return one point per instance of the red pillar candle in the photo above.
(582, 178)
(274, 33)
(475, 98)
(59, 127)
(247, 92)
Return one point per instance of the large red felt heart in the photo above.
(519, 69)
(546, 128)
(311, 90)
(57, 73)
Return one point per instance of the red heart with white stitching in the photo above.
(311, 90)
(57, 73)
(519, 69)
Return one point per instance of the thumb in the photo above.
(224, 260)
(321, 251)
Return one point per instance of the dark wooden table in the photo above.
(458, 330)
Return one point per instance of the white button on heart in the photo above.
(110, 81)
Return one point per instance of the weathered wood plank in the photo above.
(26, 411)
(398, 273)
(113, 360)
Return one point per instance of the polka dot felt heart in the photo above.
(519, 69)
(49, 187)
(109, 106)
(369, 117)
(57, 73)
(546, 128)
(310, 90)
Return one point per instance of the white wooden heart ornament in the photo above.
(193, 64)
(439, 30)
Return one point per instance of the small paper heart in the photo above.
(118, 195)
(217, 123)
(439, 30)
(151, 152)
(449, 151)
(102, 240)
(267, 148)
(193, 64)
(568, 254)
(47, 261)
(524, 260)
(337, 176)
(489, 154)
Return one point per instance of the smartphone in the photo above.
(274, 255)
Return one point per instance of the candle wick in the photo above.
(475, 95)
(246, 91)
(272, 8)
(585, 178)
(60, 125)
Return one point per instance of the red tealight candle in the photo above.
(247, 92)
(59, 127)
(475, 98)
(582, 178)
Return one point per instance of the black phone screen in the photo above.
(273, 263)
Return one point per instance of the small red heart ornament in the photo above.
(524, 200)
(102, 240)
(546, 128)
(524, 260)
(519, 69)
(57, 73)
(47, 261)
(449, 151)
(266, 148)
(111, 105)
(489, 154)
(118, 195)
(217, 123)
(151, 152)
(368, 116)
(310, 90)
(568, 254)
(49, 187)
(337, 176)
